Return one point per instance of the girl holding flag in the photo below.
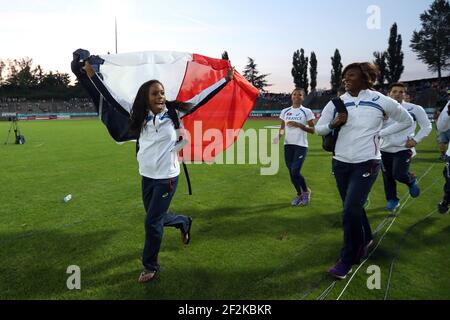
(151, 122)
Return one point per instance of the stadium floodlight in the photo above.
(116, 9)
(115, 30)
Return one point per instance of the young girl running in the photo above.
(152, 124)
(297, 122)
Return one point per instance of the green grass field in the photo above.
(247, 242)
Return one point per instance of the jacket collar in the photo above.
(362, 94)
(151, 114)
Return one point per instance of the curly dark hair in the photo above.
(369, 72)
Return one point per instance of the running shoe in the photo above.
(414, 190)
(306, 197)
(443, 207)
(340, 270)
(298, 200)
(392, 205)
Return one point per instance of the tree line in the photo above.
(18, 78)
(431, 44)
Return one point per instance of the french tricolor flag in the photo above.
(184, 75)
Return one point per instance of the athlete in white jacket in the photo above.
(443, 124)
(398, 149)
(357, 157)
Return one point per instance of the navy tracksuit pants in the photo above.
(294, 157)
(354, 181)
(396, 168)
(447, 180)
(157, 195)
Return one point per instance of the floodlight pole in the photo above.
(115, 27)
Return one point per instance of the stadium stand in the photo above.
(425, 92)
(428, 93)
(45, 106)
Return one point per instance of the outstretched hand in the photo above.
(89, 70)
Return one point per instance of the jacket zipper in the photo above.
(154, 123)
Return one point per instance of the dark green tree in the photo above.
(313, 71)
(225, 55)
(2, 67)
(380, 62)
(39, 74)
(336, 71)
(21, 74)
(394, 56)
(300, 70)
(432, 42)
(296, 71)
(251, 73)
(77, 90)
(55, 80)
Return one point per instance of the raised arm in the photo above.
(113, 115)
(102, 88)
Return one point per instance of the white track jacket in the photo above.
(359, 138)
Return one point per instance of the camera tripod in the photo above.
(15, 126)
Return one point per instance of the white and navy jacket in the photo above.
(359, 138)
(156, 156)
(443, 123)
(396, 142)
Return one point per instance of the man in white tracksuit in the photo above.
(398, 149)
(357, 157)
(443, 124)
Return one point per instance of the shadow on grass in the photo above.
(423, 160)
(35, 267)
(446, 230)
(227, 278)
(234, 221)
(414, 251)
(417, 234)
(430, 151)
(200, 282)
